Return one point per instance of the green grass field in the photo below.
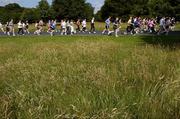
(83, 77)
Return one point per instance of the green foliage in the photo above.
(31, 15)
(72, 9)
(44, 10)
(153, 8)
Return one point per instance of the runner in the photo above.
(116, 27)
(151, 25)
(7, 29)
(162, 28)
(20, 28)
(41, 23)
(78, 23)
(73, 31)
(167, 25)
(49, 26)
(108, 21)
(92, 26)
(52, 27)
(130, 27)
(26, 28)
(37, 32)
(63, 27)
(84, 29)
(68, 27)
(173, 22)
(11, 26)
(1, 28)
(137, 25)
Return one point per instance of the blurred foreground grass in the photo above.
(89, 77)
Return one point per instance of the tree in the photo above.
(44, 9)
(72, 9)
(152, 8)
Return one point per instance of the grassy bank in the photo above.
(90, 77)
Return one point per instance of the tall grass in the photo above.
(88, 77)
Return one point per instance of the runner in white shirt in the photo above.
(73, 31)
(37, 32)
(11, 26)
(1, 28)
(20, 28)
(84, 26)
(63, 27)
(162, 25)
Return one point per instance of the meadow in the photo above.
(90, 77)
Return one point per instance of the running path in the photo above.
(98, 33)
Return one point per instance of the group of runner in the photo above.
(135, 25)
(138, 25)
(67, 27)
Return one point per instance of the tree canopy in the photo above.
(74, 9)
(151, 8)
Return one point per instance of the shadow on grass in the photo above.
(172, 41)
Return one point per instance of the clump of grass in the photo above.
(88, 77)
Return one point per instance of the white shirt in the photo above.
(92, 21)
(24, 25)
(84, 23)
(162, 22)
(20, 25)
(1, 25)
(63, 24)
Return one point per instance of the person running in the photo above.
(151, 25)
(1, 28)
(137, 25)
(63, 27)
(7, 28)
(92, 30)
(11, 26)
(173, 22)
(55, 24)
(84, 29)
(116, 27)
(68, 27)
(41, 23)
(130, 27)
(20, 28)
(26, 28)
(162, 26)
(107, 26)
(167, 25)
(73, 31)
(52, 27)
(78, 24)
(48, 25)
(37, 32)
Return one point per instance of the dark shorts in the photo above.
(7, 29)
(115, 27)
(107, 26)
